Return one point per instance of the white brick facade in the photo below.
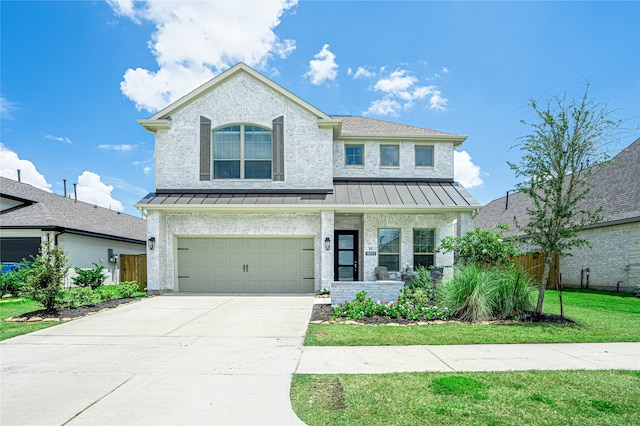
(242, 99)
(313, 157)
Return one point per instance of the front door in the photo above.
(346, 256)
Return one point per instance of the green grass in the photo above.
(501, 398)
(601, 316)
(12, 307)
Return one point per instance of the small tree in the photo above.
(46, 276)
(566, 144)
(481, 246)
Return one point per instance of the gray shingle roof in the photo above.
(615, 186)
(345, 193)
(365, 126)
(56, 211)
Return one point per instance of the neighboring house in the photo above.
(87, 233)
(613, 261)
(259, 191)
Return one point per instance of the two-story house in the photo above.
(259, 191)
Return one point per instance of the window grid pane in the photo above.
(424, 156)
(423, 240)
(389, 155)
(226, 143)
(226, 169)
(257, 169)
(257, 143)
(353, 155)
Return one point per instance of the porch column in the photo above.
(465, 223)
(326, 257)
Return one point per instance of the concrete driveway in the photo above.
(169, 360)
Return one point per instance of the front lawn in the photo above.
(600, 316)
(502, 398)
(12, 307)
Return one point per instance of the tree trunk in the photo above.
(548, 259)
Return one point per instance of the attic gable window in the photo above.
(242, 151)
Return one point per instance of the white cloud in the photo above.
(58, 138)
(437, 102)
(92, 190)
(7, 108)
(402, 89)
(323, 68)
(146, 166)
(363, 72)
(119, 148)
(444, 70)
(397, 82)
(10, 163)
(465, 172)
(383, 107)
(194, 41)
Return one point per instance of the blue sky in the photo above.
(76, 75)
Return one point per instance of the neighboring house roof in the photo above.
(47, 211)
(615, 187)
(362, 127)
(384, 195)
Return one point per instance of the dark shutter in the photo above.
(205, 148)
(277, 136)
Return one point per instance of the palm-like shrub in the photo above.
(477, 294)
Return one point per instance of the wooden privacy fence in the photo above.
(133, 267)
(533, 265)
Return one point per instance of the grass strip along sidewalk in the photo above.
(600, 316)
(499, 398)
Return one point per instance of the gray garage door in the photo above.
(246, 265)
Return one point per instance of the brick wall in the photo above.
(383, 291)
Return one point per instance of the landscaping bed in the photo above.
(322, 313)
(66, 314)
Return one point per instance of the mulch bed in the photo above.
(66, 314)
(323, 312)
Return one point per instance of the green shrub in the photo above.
(481, 246)
(425, 283)
(93, 278)
(13, 282)
(108, 292)
(76, 297)
(46, 276)
(127, 289)
(477, 294)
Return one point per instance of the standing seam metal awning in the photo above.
(353, 193)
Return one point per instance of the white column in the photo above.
(326, 258)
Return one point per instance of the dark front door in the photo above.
(346, 256)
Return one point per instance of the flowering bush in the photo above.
(482, 246)
(406, 307)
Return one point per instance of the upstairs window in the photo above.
(353, 155)
(242, 152)
(424, 156)
(389, 156)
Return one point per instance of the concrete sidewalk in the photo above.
(390, 359)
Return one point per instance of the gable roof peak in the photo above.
(240, 67)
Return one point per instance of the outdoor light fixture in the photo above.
(327, 243)
(151, 243)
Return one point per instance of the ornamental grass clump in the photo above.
(476, 293)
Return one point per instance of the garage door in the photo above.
(246, 265)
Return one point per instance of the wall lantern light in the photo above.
(327, 243)
(151, 243)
